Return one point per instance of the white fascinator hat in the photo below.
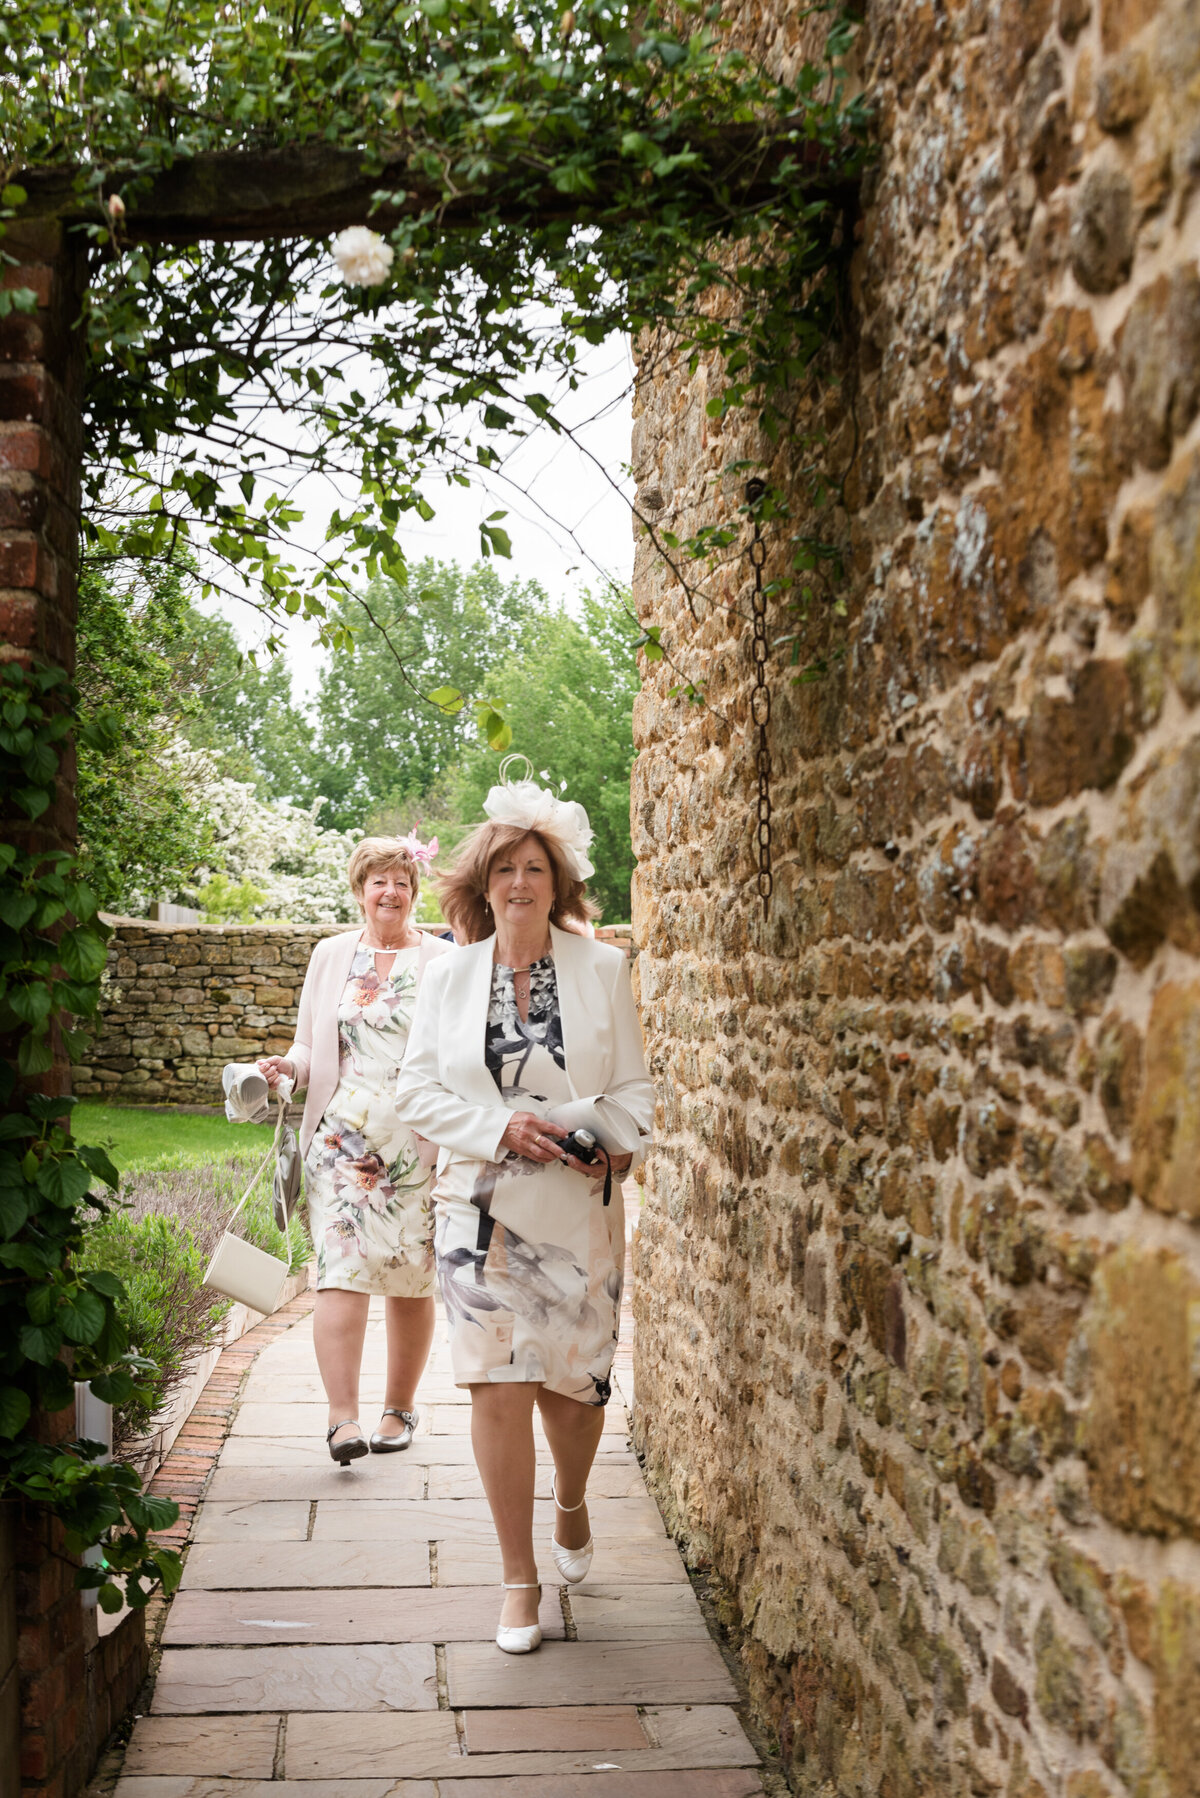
(522, 802)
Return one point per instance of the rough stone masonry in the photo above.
(918, 1355)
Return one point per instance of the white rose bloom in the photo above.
(362, 257)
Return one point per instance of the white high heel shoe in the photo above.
(520, 1638)
(572, 1563)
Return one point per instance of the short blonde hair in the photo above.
(381, 855)
(462, 889)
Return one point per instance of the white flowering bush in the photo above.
(287, 867)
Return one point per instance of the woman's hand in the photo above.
(595, 1170)
(533, 1137)
(275, 1067)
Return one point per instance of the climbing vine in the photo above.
(58, 1324)
(542, 177)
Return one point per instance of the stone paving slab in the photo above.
(391, 1476)
(236, 1747)
(645, 1563)
(616, 1784)
(632, 1613)
(285, 1452)
(568, 1726)
(396, 1614)
(613, 1476)
(183, 1787)
(469, 1519)
(367, 1677)
(662, 1672)
(281, 1520)
(253, 1565)
(301, 1420)
(700, 1737)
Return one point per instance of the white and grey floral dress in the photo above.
(369, 1207)
(530, 1258)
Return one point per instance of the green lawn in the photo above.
(141, 1140)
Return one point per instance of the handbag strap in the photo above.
(261, 1169)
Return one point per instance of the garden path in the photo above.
(332, 1637)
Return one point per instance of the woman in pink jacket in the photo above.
(369, 1208)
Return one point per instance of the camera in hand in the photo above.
(582, 1144)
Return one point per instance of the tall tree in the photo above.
(380, 743)
(141, 830)
(568, 694)
(240, 709)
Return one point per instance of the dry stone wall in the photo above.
(179, 1002)
(918, 1314)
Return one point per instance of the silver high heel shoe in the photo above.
(387, 1445)
(572, 1563)
(351, 1448)
(520, 1638)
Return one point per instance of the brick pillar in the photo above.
(41, 436)
(41, 444)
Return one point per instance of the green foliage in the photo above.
(380, 743)
(164, 1308)
(568, 696)
(544, 179)
(140, 830)
(142, 1138)
(240, 708)
(52, 953)
(224, 902)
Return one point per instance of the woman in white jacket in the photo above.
(526, 1033)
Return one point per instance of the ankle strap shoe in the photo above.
(573, 1563)
(519, 1638)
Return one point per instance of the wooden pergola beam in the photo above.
(310, 190)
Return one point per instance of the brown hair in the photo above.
(376, 855)
(462, 889)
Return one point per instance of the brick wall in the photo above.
(919, 1269)
(182, 1001)
(70, 1687)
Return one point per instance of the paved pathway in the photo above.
(332, 1637)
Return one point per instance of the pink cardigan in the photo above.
(314, 1054)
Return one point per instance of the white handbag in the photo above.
(239, 1270)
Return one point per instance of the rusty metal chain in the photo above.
(760, 703)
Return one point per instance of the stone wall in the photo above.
(919, 1296)
(182, 1001)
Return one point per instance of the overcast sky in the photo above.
(568, 507)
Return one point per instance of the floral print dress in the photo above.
(369, 1207)
(530, 1258)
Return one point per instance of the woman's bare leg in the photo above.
(409, 1324)
(339, 1330)
(573, 1432)
(502, 1437)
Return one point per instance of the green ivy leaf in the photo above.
(34, 1056)
(83, 952)
(63, 1179)
(40, 1342)
(14, 1209)
(83, 1317)
(16, 909)
(114, 1387)
(99, 1162)
(14, 1410)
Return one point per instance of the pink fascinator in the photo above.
(420, 852)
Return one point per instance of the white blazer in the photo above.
(445, 1091)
